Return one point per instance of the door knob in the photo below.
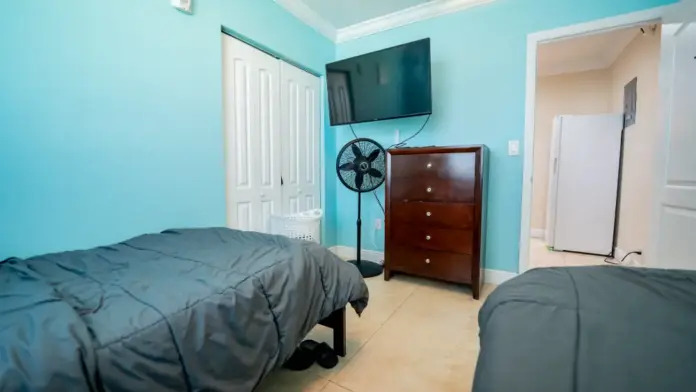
(429, 165)
(427, 261)
(428, 213)
(429, 189)
(427, 238)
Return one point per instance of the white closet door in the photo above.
(675, 202)
(252, 135)
(301, 127)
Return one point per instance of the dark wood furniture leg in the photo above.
(337, 322)
(476, 290)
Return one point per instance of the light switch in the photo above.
(513, 148)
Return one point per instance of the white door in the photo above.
(301, 127)
(251, 99)
(553, 182)
(587, 183)
(674, 235)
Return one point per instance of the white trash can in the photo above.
(305, 225)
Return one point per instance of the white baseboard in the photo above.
(537, 233)
(633, 260)
(490, 276)
(348, 252)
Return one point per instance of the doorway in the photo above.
(631, 24)
(596, 126)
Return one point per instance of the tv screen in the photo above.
(390, 83)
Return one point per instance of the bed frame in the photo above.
(337, 322)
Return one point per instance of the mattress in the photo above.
(199, 309)
(590, 329)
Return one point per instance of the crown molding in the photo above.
(404, 17)
(307, 15)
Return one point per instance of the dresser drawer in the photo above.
(452, 166)
(448, 215)
(431, 264)
(432, 189)
(435, 238)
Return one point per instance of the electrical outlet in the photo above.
(378, 224)
(513, 148)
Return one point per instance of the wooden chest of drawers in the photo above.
(436, 213)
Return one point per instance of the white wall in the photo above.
(640, 59)
(576, 93)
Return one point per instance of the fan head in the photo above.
(361, 165)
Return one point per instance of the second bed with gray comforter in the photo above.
(199, 309)
(590, 329)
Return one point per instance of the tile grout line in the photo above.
(331, 379)
(338, 385)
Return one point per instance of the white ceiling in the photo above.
(343, 13)
(588, 53)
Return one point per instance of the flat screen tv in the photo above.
(390, 83)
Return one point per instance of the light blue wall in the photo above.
(271, 27)
(110, 112)
(478, 65)
(111, 117)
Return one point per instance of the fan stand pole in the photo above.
(367, 269)
(359, 223)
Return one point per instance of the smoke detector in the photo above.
(182, 5)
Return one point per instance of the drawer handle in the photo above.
(427, 238)
(429, 165)
(427, 261)
(429, 189)
(428, 213)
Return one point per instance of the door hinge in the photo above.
(281, 181)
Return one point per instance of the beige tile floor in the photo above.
(415, 335)
(540, 256)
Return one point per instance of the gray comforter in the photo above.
(201, 309)
(591, 329)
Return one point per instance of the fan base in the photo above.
(368, 269)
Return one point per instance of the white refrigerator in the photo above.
(584, 171)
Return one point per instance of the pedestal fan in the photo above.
(361, 168)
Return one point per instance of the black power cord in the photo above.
(397, 145)
(381, 207)
(352, 130)
(635, 252)
(405, 141)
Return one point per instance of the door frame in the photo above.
(634, 19)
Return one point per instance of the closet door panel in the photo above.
(301, 127)
(251, 101)
(269, 158)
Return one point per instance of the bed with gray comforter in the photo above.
(198, 309)
(590, 329)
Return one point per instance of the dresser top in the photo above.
(435, 149)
